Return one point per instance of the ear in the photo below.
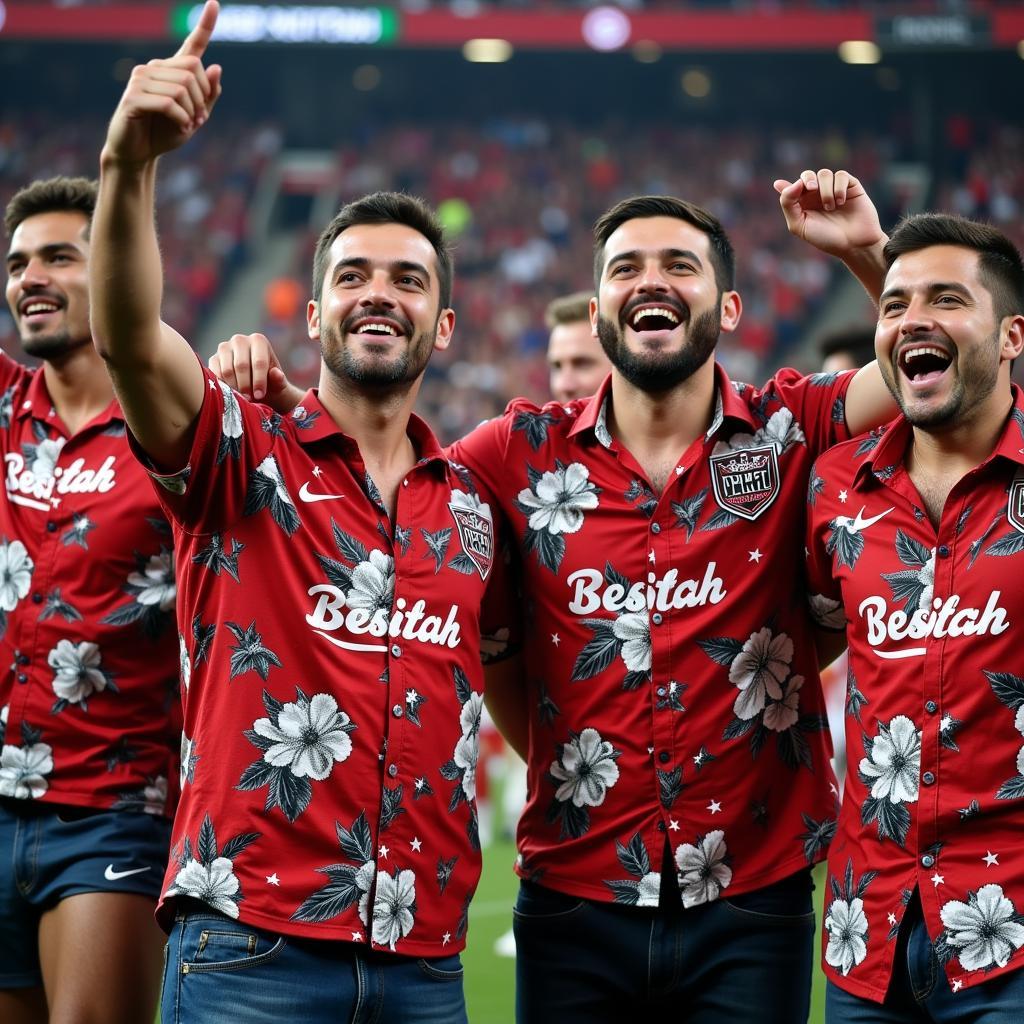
(445, 328)
(732, 310)
(594, 314)
(313, 319)
(1012, 337)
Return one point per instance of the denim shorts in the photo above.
(49, 852)
(222, 971)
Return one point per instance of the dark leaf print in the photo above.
(462, 563)
(535, 426)
(624, 891)
(403, 537)
(391, 806)
(906, 585)
(688, 511)
(846, 546)
(264, 482)
(1011, 789)
(893, 819)
(634, 857)
(56, 605)
(814, 487)
(738, 727)
(422, 788)
(217, 559)
(437, 544)
(30, 735)
(758, 739)
(534, 477)
(1018, 418)
(186, 852)
(122, 752)
(333, 899)
(613, 578)
(865, 880)
(207, 842)
(822, 379)
(60, 704)
(634, 680)
(549, 547)
(719, 521)
(547, 709)
(348, 546)
(1007, 687)
(575, 820)
(250, 654)
(868, 444)
(972, 810)
(793, 749)
(450, 771)
(855, 700)
(307, 421)
(670, 786)
(817, 836)
(598, 653)
(233, 847)
(356, 842)
(444, 872)
(338, 574)
(291, 793)
(413, 702)
(462, 688)
(721, 649)
(911, 551)
(944, 952)
(203, 636)
(150, 617)
(260, 773)
(1011, 544)
(962, 521)
(839, 410)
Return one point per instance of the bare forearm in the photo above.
(506, 700)
(868, 267)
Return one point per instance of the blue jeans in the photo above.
(221, 971)
(919, 992)
(747, 958)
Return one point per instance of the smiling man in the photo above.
(576, 361)
(326, 845)
(90, 723)
(916, 545)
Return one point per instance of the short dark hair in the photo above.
(387, 208)
(999, 266)
(856, 341)
(723, 259)
(568, 309)
(51, 195)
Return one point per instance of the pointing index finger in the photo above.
(198, 39)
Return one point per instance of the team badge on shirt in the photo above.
(1015, 505)
(476, 532)
(746, 482)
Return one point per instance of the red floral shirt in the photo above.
(89, 678)
(672, 680)
(934, 708)
(332, 681)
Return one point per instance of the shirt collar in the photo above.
(38, 405)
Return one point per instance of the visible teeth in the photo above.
(377, 329)
(655, 311)
(924, 350)
(40, 307)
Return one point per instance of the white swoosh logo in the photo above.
(859, 525)
(112, 876)
(307, 495)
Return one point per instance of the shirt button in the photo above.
(51, 526)
(22, 678)
(655, 527)
(656, 618)
(661, 691)
(392, 770)
(37, 598)
(943, 551)
(928, 778)
(664, 757)
(927, 861)
(397, 711)
(661, 826)
(396, 651)
(23, 659)
(931, 707)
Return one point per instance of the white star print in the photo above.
(556, 639)
(411, 696)
(938, 880)
(990, 858)
(957, 985)
(415, 844)
(892, 918)
(842, 496)
(446, 938)
(273, 879)
(420, 783)
(317, 471)
(383, 852)
(698, 759)
(714, 807)
(755, 556)
(650, 557)
(210, 384)
(357, 936)
(674, 826)
(679, 470)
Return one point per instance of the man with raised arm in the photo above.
(334, 565)
(916, 547)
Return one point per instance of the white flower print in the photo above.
(586, 769)
(465, 499)
(894, 762)
(155, 796)
(156, 586)
(1018, 720)
(184, 662)
(308, 739)
(759, 670)
(469, 716)
(648, 889)
(1020, 761)
(373, 583)
(635, 632)
(186, 757)
(45, 460)
(781, 430)
(984, 930)
(827, 613)
(847, 929)
(927, 578)
(467, 753)
(560, 499)
(269, 469)
(77, 672)
(703, 872)
(214, 883)
(23, 770)
(231, 420)
(783, 714)
(364, 883)
(393, 908)
(3, 721)
(15, 574)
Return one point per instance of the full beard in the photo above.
(656, 374)
(376, 373)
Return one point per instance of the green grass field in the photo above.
(490, 979)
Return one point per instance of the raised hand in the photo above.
(167, 100)
(248, 363)
(831, 211)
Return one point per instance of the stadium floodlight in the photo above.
(606, 28)
(859, 51)
(487, 51)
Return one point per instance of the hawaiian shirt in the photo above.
(331, 678)
(88, 654)
(934, 706)
(672, 679)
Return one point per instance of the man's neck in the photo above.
(79, 386)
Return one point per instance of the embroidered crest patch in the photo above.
(746, 482)
(476, 532)
(1015, 505)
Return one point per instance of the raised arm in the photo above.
(832, 212)
(158, 378)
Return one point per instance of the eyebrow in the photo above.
(932, 289)
(395, 266)
(46, 250)
(664, 255)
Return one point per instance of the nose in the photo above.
(916, 318)
(34, 273)
(651, 278)
(378, 290)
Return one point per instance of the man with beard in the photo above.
(915, 544)
(90, 724)
(326, 847)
